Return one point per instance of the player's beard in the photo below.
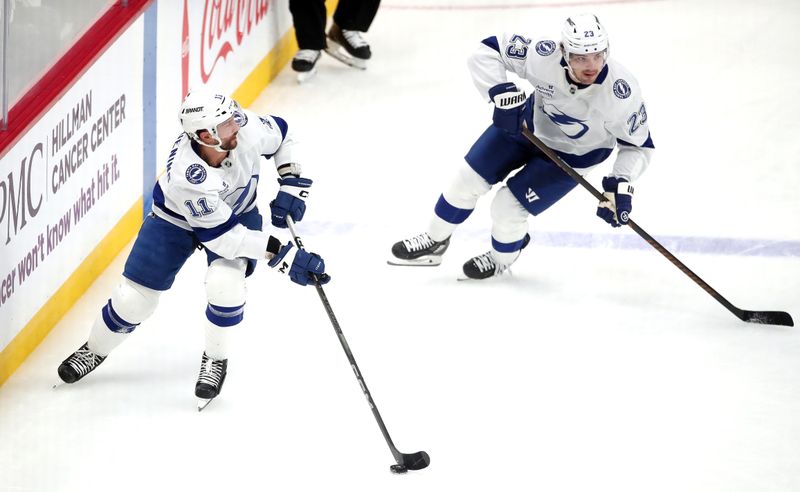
(230, 143)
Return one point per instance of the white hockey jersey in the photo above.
(585, 122)
(207, 200)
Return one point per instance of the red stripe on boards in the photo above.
(68, 69)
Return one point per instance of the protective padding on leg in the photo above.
(130, 304)
(466, 188)
(226, 291)
(216, 341)
(509, 226)
(457, 203)
(447, 212)
(225, 284)
(440, 229)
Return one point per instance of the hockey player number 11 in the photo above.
(204, 210)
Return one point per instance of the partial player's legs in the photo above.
(309, 24)
(226, 293)
(509, 237)
(130, 304)
(452, 209)
(356, 15)
(345, 41)
(158, 254)
(532, 190)
(492, 157)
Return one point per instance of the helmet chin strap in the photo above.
(571, 72)
(568, 68)
(216, 146)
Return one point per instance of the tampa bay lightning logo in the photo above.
(545, 47)
(621, 89)
(196, 174)
(572, 127)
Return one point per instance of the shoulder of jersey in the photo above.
(545, 48)
(256, 126)
(544, 56)
(189, 171)
(620, 83)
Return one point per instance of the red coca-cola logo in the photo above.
(226, 23)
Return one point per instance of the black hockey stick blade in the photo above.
(416, 461)
(780, 318)
(412, 461)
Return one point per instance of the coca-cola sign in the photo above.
(226, 24)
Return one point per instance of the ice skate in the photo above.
(209, 381)
(79, 364)
(484, 266)
(348, 47)
(419, 250)
(305, 64)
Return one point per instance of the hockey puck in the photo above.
(398, 469)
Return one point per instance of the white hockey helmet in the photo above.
(202, 110)
(583, 34)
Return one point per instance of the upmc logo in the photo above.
(21, 194)
(226, 23)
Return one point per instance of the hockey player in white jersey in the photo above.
(584, 104)
(207, 199)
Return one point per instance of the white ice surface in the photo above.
(591, 368)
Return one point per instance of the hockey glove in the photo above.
(290, 200)
(618, 203)
(301, 266)
(509, 107)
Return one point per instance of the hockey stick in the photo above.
(763, 317)
(405, 461)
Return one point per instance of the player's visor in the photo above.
(583, 58)
(228, 127)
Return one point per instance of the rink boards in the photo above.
(76, 183)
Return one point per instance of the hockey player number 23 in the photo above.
(637, 119)
(518, 52)
(203, 205)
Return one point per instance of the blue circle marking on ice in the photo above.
(545, 47)
(196, 174)
(621, 89)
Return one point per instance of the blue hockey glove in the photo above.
(509, 107)
(290, 200)
(301, 266)
(618, 203)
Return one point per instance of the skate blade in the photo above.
(203, 403)
(470, 279)
(304, 77)
(493, 278)
(423, 261)
(337, 51)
